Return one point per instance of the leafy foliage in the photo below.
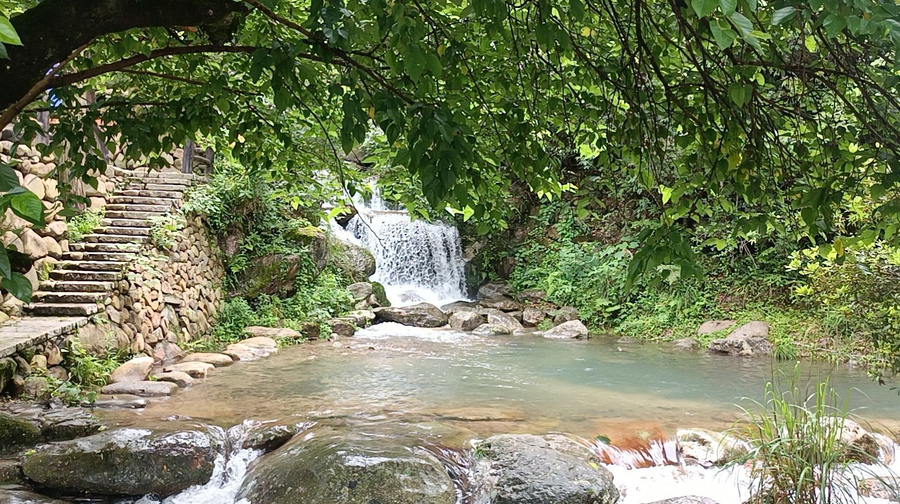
(82, 224)
(164, 229)
(25, 205)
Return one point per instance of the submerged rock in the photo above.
(685, 344)
(466, 321)
(748, 340)
(708, 448)
(553, 469)
(572, 329)
(490, 330)
(336, 469)
(417, 315)
(268, 437)
(123, 462)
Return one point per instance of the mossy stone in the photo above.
(380, 295)
(8, 368)
(16, 434)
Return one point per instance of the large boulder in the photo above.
(572, 329)
(553, 469)
(505, 320)
(271, 332)
(459, 306)
(708, 448)
(465, 321)
(355, 261)
(565, 314)
(532, 317)
(337, 468)
(417, 315)
(493, 289)
(123, 462)
(134, 370)
(273, 274)
(748, 340)
(360, 290)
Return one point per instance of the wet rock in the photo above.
(310, 330)
(15, 494)
(270, 332)
(342, 327)
(10, 472)
(417, 315)
(708, 448)
(16, 433)
(459, 306)
(711, 326)
(688, 499)
(861, 446)
(142, 389)
(361, 318)
(493, 289)
(179, 378)
(135, 370)
(685, 344)
(252, 349)
(490, 330)
(166, 353)
(118, 401)
(886, 448)
(379, 296)
(748, 340)
(216, 359)
(505, 320)
(360, 290)
(326, 466)
(527, 469)
(123, 462)
(194, 369)
(7, 371)
(465, 321)
(565, 314)
(355, 261)
(269, 437)
(886, 488)
(501, 303)
(572, 329)
(532, 317)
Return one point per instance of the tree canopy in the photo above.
(763, 110)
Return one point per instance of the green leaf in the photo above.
(5, 268)
(742, 23)
(434, 64)
(18, 286)
(576, 9)
(738, 94)
(783, 14)
(8, 34)
(3, 53)
(8, 178)
(704, 8)
(29, 207)
(723, 34)
(834, 24)
(728, 6)
(415, 63)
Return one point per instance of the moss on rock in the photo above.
(16, 434)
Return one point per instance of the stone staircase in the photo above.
(90, 269)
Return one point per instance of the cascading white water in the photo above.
(416, 261)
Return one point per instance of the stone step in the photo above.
(133, 207)
(144, 172)
(120, 214)
(115, 266)
(142, 200)
(164, 178)
(147, 193)
(74, 286)
(138, 223)
(62, 309)
(112, 238)
(86, 276)
(98, 256)
(117, 230)
(104, 247)
(160, 186)
(68, 297)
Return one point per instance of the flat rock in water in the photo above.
(179, 378)
(123, 462)
(459, 306)
(465, 321)
(135, 370)
(527, 469)
(417, 315)
(271, 332)
(572, 329)
(748, 340)
(216, 359)
(333, 467)
(711, 326)
(194, 369)
(242, 352)
(260, 341)
(142, 389)
(490, 330)
(361, 318)
(118, 401)
(15, 494)
(498, 318)
(268, 437)
(686, 344)
(708, 448)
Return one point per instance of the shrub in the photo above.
(83, 224)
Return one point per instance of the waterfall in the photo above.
(416, 261)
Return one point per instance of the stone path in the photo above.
(25, 332)
(92, 266)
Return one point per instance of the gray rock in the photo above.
(686, 344)
(15, 494)
(142, 389)
(356, 262)
(269, 437)
(708, 448)
(271, 332)
(342, 327)
(493, 289)
(123, 462)
(491, 330)
(505, 320)
(712, 326)
(459, 306)
(361, 318)
(532, 296)
(17, 433)
(565, 314)
(532, 317)
(337, 468)
(572, 329)
(252, 349)
(194, 369)
(360, 290)
(527, 469)
(748, 340)
(501, 303)
(166, 353)
(216, 359)
(177, 377)
(7, 371)
(273, 274)
(417, 315)
(135, 370)
(466, 321)
(10, 472)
